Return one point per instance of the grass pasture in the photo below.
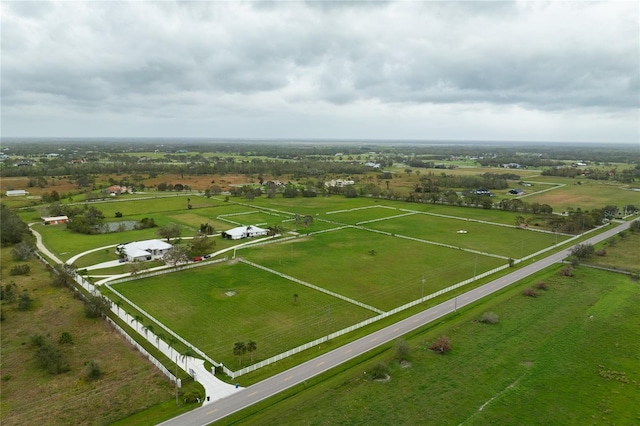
(590, 194)
(498, 240)
(566, 357)
(340, 261)
(195, 305)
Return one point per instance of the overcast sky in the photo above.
(557, 71)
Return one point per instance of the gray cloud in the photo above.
(230, 62)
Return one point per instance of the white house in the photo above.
(340, 183)
(16, 193)
(244, 232)
(143, 250)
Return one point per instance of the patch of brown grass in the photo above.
(31, 396)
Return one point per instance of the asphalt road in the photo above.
(280, 382)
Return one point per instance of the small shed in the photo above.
(55, 220)
(16, 193)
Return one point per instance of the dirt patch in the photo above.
(527, 363)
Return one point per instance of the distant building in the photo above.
(516, 191)
(114, 190)
(16, 193)
(340, 183)
(55, 220)
(244, 232)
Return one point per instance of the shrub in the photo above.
(37, 340)
(192, 397)
(8, 292)
(22, 251)
(20, 270)
(529, 292)
(489, 318)
(92, 370)
(118, 214)
(65, 338)
(542, 286)
(567, 271)
(441, 345)
(402, 349)
(51, 359)
(380, 371)
(601, 252)
(24, 301)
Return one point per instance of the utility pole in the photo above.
(176, 379)
(328, 321)
(475, 267)
(422, 286)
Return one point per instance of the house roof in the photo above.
(52, 218)
(243, 230)
(147, 245)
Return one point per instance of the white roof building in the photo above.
(244, 232)
(144, 250)
(16, 192)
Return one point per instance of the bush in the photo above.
(529, 292)
(441, 345)
(24, 301)
(65, 338)
(20, 270)
(402, 349)
(380, 371)
(51, 359)
(192, 397)
(567, 271)
(601, 252)
(22, 251)
(542, 286)
(489, 318)
(92, 370)
(8, 292)
(37, 340)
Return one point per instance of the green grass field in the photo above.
(340, 261)
(195, 305)
(566, 357)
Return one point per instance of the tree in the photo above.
(200, 245)
(582, 251)
(23, 250)
(251, 348)
(441, 345)
(139, 319)
(135, 268)
(239, 349)
(13, 228)
(176, 255)
(169, 231)
(307, 220)
(380, 371)
(96, 306)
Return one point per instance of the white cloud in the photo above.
(497, 70)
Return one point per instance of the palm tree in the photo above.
(171, 341)
(251, 347)
(139, 319)
(239, 348)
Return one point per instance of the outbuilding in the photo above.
(16, 193)
(55, 220)
(244, 232)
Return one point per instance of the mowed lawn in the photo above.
(342, 261)
(195, 304)
(623, 254)
(498, 240)
(569, 356)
